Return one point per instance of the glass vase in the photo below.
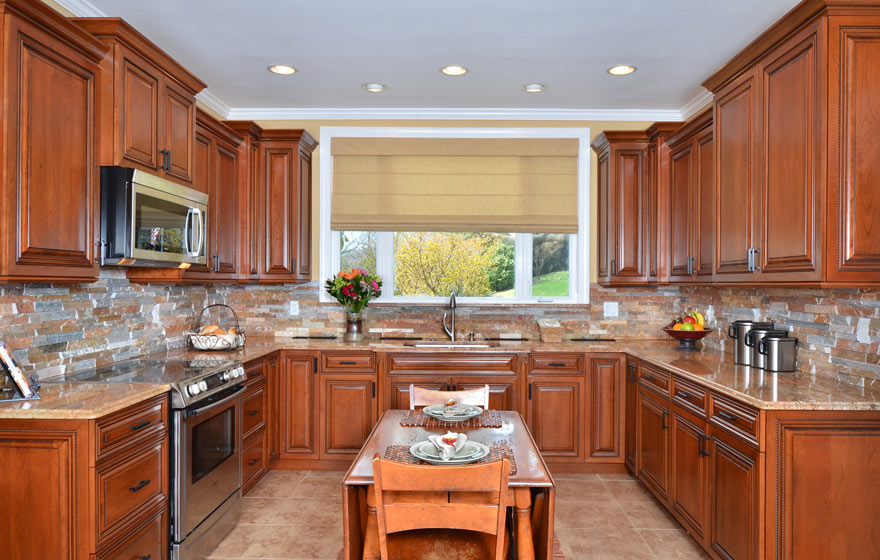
(354, 327)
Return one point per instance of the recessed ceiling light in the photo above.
(282, 69)
(374, 87)
(534, 88)
(454, 70)
(621, 70)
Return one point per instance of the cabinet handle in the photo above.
(373, 387)
(253, 412)
(166, 160)
(253, 462)
(613, 267)
(749, 258)
(632, 373)
(649, 378)
(556, 364)
(665, 425)
(755, 266)
(139, 485)
(349, 363)
(690, 261)
(145, 557)
(530, 391)
(703, 440)
(727, 416)
(683, 394)
(314, 365)
(293, 265)
(139, 425)
(103, 245)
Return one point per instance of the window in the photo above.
(480, 267)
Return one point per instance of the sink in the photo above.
(450, 344)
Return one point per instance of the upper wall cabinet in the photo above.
(148, 115)
(49, 187)
(796, 138)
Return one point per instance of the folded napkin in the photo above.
(448, 444)
(455, 411)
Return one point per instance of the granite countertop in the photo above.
(759, 388)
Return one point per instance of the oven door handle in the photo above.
(190, 412)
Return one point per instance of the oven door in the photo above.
(207, 459)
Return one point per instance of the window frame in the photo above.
(579, 244)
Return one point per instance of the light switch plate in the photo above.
(610, 309)
(294, 307)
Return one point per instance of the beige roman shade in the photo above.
(524, 185)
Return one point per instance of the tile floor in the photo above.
(297, 515)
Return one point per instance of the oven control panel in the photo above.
(214, 381)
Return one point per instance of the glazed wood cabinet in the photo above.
(556, 417)
(652, 442)
(148, 109)
(631, 407)
(298, 406)
(87, 488)
(689, 472)
(348, 413)
(256, 417)
(50, 174)
(606, 399)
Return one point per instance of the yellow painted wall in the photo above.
(596, 127)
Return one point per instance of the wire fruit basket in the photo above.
(212, 337)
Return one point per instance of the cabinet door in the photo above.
(651, 203)
(853, 216)
(203, 181)
(681, 208)
(689, 488)
(348, 413)
(255, 208)
(280, 205)
(178, 131)
(297, 394)
(138, 124)
(51, 181)
(735, 129)
(734, 481)
(631, 409)
(652, 442)
(704, 242)
(628, 191)
(273, 394)
(605, 398)
(225, 203)
(791, 150)
(606, 222)
(502, 391)
(556, 417)
(397, 395)
(304, 223)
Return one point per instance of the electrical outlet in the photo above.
(294, 307)
(610, 309)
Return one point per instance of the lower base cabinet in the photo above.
(652, 442)
(297, 408)
(348, 412)
(689, 473)
(556, 417)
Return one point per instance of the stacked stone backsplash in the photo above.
(838, 331)
(56, 328)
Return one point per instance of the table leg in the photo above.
(525, 544)
(371, 534)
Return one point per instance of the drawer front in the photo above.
(416, 363)
(119, 430)
(739, 418)
(556, 364)
(253, 409)
(348, 362)
(654, 378)
(253, 373)
(253, 461)
(690, 396)
(149, 542)
(129, 485)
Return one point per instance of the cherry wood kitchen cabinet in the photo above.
(251, 174)
(255, 418)
(652, 442)
(50, 184)
(148, 109)
(298, 405)
(68, 484)
(556, 417)
(632, 395)
(348, 398)
(689, 472)
(605, 398)
(657, 199)
(691, 201)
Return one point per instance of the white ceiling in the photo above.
(337, 45)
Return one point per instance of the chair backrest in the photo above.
(467, 497)
(424, 397)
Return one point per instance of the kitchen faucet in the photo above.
(450, 331)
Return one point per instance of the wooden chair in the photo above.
(424, 397)
(458, 498)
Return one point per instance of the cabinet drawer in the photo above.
(691, 396)
(127, 486)
(418, 363)
(131, 425)
(253, 462)
(147, 542)
(347, 362)
(737, 417)
(654, 378)
(556, 364)
(253, 373)
(253, 409)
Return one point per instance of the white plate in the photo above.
(416, 451)
(469, 449)
(436, 411)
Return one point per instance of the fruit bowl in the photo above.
(687, 340)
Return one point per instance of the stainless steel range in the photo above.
(205, 444)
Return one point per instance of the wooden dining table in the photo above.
(532, 489)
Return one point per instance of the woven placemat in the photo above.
(497, 451)
(418, 419)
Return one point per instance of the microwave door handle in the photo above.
(201, 217)
(186, 231)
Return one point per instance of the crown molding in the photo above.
(214, 103)
(429, 113)
(697, 104)
(80, 8)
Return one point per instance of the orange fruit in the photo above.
(677, 326)
(698, 327)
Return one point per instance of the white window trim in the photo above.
(579, 283)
